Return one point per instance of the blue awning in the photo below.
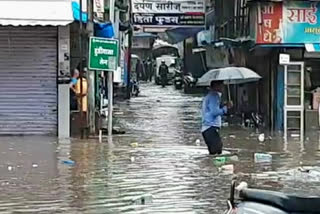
(179, 34)
(315, 47)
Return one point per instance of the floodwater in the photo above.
(156, 167)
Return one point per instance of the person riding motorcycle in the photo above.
(163, 72)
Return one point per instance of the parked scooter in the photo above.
(189, 82)
(253, 201)
(253, 120)
(178, 79)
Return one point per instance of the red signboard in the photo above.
(269, 23)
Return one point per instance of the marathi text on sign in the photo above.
(269, 30)
(303, 15)
(103, 54)
(168, 12)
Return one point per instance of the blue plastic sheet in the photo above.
(104, 30)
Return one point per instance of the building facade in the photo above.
(33, 45)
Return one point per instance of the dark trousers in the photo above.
(213, 140)
(163, 81)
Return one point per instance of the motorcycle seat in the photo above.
(286, 202)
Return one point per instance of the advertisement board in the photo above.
(174, 13)
(288, 22)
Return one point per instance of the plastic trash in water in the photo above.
(35, 165)
(241, 186)
(227, 169)
(132, 159)
(68, 162)
(262, 158)
(225, 159)
(198, 142)
(10, 168)
(232, 136)
(143, 199)
(261, 137)
(224, 152)
(134, 145)
(295, 135)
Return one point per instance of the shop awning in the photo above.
(313, 47)
(35, 12)
(144, 35)
(179, 34)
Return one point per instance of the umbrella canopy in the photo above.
(230, 75)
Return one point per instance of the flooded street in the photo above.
(156, 167)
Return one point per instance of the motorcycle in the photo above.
(189, 82)
(253, 120)
(257, 201)
(177, 80)
(135, 90)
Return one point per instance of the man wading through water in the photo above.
(211, 117)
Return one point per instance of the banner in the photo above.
(288, 22)
(164, 13)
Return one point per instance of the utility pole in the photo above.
(81, 72)
(91, 75)
(130, 35)
(110, 74)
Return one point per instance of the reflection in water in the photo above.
(166, 168)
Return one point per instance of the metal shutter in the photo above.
(28, 80)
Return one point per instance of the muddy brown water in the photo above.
(156, 167)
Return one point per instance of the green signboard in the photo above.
(103, 54)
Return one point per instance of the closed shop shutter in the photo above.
(28, 80)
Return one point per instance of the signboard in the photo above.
(168, 13)
(302, 19)
(289, 22)
(98, 8)
(270, 29)
(284, 59)
(103, 54)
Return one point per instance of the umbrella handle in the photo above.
(229, 95)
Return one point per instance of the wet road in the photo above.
(156, 167)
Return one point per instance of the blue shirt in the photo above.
(211, 111)
(73, 81)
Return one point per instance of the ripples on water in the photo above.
(172, 173)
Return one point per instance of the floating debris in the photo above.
(261, 137)
(134, 145)
(142, 200)
(262, 158)
(227, 169)
(68, 162)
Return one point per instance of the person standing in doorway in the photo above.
(73, 92)
(82, 96)
(211, 117)
(163, 72)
